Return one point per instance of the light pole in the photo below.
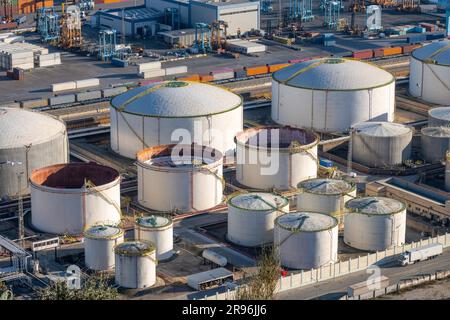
(19, 198)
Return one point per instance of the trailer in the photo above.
(208, 279)
(420, 254)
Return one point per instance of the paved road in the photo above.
(336, 288)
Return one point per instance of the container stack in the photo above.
(46, 60)
(222, 74)
(153, 70)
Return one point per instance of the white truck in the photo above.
(420, 254)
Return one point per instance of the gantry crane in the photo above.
(219, 35)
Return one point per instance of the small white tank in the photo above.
(135, 264)
(99, 243)
(158, 230)
(374, 223)
(251, 217)
(306, 240)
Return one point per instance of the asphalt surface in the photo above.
(335, 288)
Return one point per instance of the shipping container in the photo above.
(154, 73)
(378, 52)
(192, 77)
(392, 51)
(89, 95)
(435, 36)
(176, 70)
(240, 73)
(363, 54)
(206, 78)
(8, 26)
(65, 99)
(147, 82)
(253, 71)
(416, 38)
(276, 67)
(111, 92)
(119, 62)
(34, 103)
(70, 85)
(155, 65)
(410, 48)
(86, 83)
(11, 104)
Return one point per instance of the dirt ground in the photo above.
(438, 290)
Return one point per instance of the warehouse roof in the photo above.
(326, 186)
(442, 113)
(306, 221)
(438, 132)
(153, 221)
(436, 52)
(333, 74)
(381, 129)
(375, 205)
(258, 201)
(103, 232)
(21, 127)
(176, 99)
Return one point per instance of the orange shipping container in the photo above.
(206, 78)
(253, 71)
(30, 6)
(276, 67)
(192, 77)
(392, 51)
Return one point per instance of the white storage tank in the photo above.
(135, 264)
(429, 72)
(99, 243)
(435, 143)
(306, 240)
(374, 223)
(67, 198)
(182, 178)
(439, 117)
(33, 138)
(332, 94)
(381, 144)
(158, 230)
(172, 112)
(251, 217)
(447, 171)
(275, 157)
(325, 195)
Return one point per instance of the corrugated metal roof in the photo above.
(326, 186)
(381, 129)
(177, 99)
(103, 232)
(258, 201)
(442, 132)
(439, 52)
(375, 205)
(21, 127)
(153, 221)
(306, 221)
(333, 74)
(442, 113)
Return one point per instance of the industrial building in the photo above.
(251, 217)
(275, 157)
(168, 112)
(67, 198)
(29, 140)
(140, 21)
(328, 95)
(240, 15)
(430, 72)
(183, 38)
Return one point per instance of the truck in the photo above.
(420, 254)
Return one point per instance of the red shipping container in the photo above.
(363, 54)
(379, 52)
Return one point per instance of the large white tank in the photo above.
(135, 264)
(429, 75)
(435, 143)
(381, 144)
(172, 112)
(33, 138)
(332, 94)
(325, 195)
(251, 217)
(67, 198)
(447, 171)
(158, 230)
(439, 117)
(99, 243)
(306, 240)
(374, 223)
(168, 180)
(275, 157)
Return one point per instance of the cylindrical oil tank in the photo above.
(182, 178)
(374, 223)
(175, 112)
(329, 95)
(29, 140)
(435, 143)
(381, 144)
(158, 230)
(439, 117)
(447, 171)
(67, 198)
(325, 195)
(135, 264)
(99, 243)
(275, 157)
(429, 75)
(251, 217)
(306, 240)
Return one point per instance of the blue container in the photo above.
(119, 63)
(417, 38)
(326, 163)
(327, 43)
(328, 36)
(434, 36)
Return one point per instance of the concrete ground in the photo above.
(437, 290)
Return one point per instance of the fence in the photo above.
(341, 268)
